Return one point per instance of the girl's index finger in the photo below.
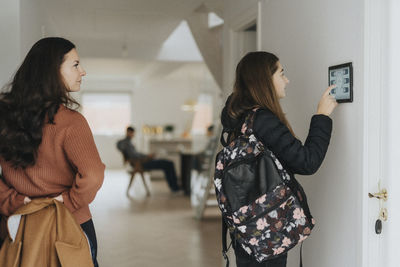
(328, 90)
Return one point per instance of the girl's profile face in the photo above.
(71, 71)
(280, 81)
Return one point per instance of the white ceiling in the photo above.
(120, 28)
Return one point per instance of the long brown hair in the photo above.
(35, 93)
(254, 88)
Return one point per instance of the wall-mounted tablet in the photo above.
(342, 76)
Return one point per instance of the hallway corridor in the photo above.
(157, 231)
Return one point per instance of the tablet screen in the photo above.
(341, 76)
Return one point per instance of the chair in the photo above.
(136, 167)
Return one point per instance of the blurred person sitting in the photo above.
(148, 162)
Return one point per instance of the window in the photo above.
(214, 20)
(107, 113)
(202, 114)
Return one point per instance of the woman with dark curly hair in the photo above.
(46, 147)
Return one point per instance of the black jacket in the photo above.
(296, 157)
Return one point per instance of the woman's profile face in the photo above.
(72, 71)
(280, 81)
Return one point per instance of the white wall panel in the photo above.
(10, 39)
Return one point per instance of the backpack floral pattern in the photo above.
(275, 222)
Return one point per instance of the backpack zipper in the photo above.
(265, 212)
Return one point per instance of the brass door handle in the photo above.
(381, 195)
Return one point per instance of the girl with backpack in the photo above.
(259, 85)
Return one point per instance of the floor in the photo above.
(159, 230)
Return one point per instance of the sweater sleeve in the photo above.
(10, 199)
(298, 158)
(82, 153)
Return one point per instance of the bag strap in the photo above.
(224, 246)
(301, 254)
(247, 122)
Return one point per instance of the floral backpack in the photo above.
(262, 204)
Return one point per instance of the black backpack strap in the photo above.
(224, 246)
(301, 254)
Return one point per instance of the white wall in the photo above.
(309, 36)
(21, 25)
(10, 39)
(32, 24)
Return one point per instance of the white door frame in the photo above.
(392, 112)
(381, 131)
(237, 24)
(372, 156)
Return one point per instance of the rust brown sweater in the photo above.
(68, 163)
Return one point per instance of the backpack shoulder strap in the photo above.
(247, 127)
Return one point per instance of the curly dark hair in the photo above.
(32, 99)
